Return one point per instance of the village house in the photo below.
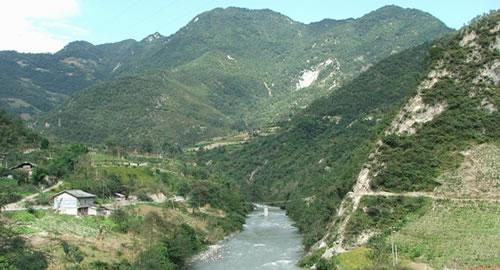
(25, 166)
(75, 202)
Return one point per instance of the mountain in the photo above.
(407, 151)
(241, 68)
(132, 110)
(317, 155)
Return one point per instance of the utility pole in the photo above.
(2, 158)
(393, 249)
(396, 248)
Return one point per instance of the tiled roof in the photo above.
(77, 193)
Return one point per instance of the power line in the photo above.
(123, 11)
(153, 15)
(171, 19)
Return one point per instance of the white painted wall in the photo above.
(64, 201)
(67, 204)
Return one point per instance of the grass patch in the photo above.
(358, 258)
(60, 224)
(22, 216)
(311, 258)
(454, 234)
(25, 230)
(383, 214)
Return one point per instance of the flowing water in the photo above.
(266, 242)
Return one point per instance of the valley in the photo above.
(202, 82)
(249, 140)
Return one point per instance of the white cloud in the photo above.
(38, 26)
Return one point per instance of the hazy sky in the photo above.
(47, 25)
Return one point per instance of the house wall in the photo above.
(86, 202)
(94, 211)
(65, 201)
(69, 205)
(69, 211)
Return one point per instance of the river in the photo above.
(266, 242)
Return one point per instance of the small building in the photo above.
(74, 202)
(25, 166)
(99, 210)
(119, 197)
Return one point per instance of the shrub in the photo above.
(23, 216)
(44, 144)
(184, 244)
(155, 258)
(72, 252)
(143, 196)
(324, 264)
(121, 219)
(43, 198)
(31, 260)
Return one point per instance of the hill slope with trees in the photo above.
(416, 133)
(240, 69)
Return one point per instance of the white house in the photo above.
(74, 202)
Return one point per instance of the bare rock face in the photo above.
(416, 111)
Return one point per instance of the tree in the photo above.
(155, 258)
(73, 253)
(170, 149)
(121, 219)
(38, 175)
(16, 254)
(112, 145)
(44, 144)
(184, 244)
(200, 194)
(147, 146)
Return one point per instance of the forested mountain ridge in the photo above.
(441, 149)
(34, 83)
(13, 135)
(245, 68)
(317, 155)
(408, 147)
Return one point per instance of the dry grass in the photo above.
(109, 247)
(95, 237)
(477, 176)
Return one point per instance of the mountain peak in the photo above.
(408, 16)
(77, 45)
(152, 37)
(394, 11)
(241, 13)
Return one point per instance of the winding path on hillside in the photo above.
(20, 205)
(351, 203)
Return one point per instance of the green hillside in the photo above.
(260, 68)
(319, 153)
(132, 110)
(416, 133)
(34, 83)
(13, 135)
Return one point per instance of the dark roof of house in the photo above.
(77, 193)
(18, 166)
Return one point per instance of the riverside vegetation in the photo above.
(154, 235)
